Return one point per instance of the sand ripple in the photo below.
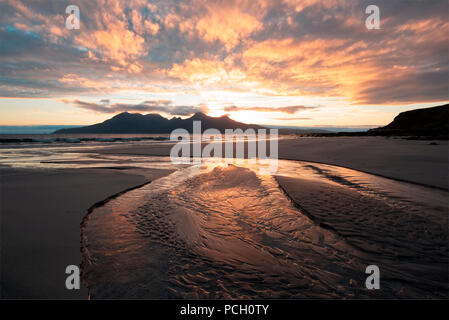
(227, 232)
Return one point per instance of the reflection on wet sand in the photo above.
(225, 231)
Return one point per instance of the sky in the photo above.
(284, 62)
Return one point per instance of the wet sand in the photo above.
(220, 234)
(406, 242)
(409, 160)
(227, 232)
(41, 212)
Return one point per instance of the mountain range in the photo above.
(154, 123)
(433, 121)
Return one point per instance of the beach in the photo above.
(41, 212)
(418, 161)
(42, 209)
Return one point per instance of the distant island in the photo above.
(430, 122)
(127, 123)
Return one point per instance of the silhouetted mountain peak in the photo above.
(121, 115)
(126, 122)
(154, 116)
(199, 116)
(126, 115)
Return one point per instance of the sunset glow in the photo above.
(288, 63)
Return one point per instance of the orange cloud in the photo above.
(206, 71)
(115, 44)
(75, 80)
(227, 22)
(228, 25)
(310, 48)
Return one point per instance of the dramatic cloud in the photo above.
(293, 51)
(164, 106)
